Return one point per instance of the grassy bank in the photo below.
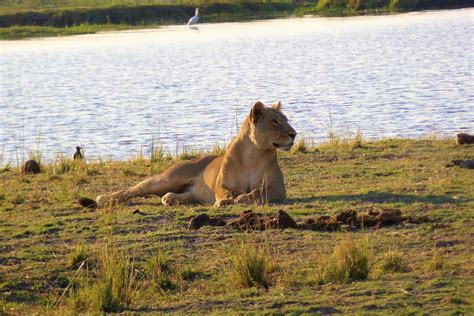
(20, 32)
(56, 256)
(20, 19)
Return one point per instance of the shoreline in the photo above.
(27, 32)
(165, 154)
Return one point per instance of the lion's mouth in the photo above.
(283, 147)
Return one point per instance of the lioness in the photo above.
(247, 173)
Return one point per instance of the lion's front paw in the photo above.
(102, 200)
(224, 202)
(169, 199)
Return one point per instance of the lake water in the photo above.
(404, 75)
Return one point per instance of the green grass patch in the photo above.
(29, 31)
(42, 231)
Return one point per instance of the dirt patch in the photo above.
(351, 219)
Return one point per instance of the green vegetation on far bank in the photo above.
(30, 18)
(19, 32)
(141, 257)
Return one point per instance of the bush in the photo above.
(350, 261)
(114, 285)
(393, 261)
(79, 254)
(251, 266)
(159, 268)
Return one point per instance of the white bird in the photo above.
(194, 19)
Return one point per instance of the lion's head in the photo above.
(269, 127)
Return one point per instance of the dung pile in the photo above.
(204, 220)
(250, 220)
(352, 219)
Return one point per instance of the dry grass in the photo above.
(251, 265)
(351, 260)
(300, 147)
(436, 262)
(393, 261)
(79, 254)
(112, 288)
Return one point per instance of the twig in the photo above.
(70, 282)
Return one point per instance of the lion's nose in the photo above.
(292, 135)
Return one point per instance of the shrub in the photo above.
(300, 147)
(188, 154)
(393, 261)
(251, 266)
(79, 254)
(350, 261)
(63, 165)
(114, 285)
(436, 262)
(159, 268)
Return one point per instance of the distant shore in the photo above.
(21, 23)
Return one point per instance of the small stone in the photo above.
(217, 221)
(86, 202)
(30, 166)
(466, 163)
(285, 220)
(464, 138)
(390, 217)
(199, 221)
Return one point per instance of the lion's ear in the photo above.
(257, 111)
(277, 105)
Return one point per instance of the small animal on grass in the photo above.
(464, 138)
(247, 173)
(31, 166)
(78, 154)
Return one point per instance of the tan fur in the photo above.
(247, 173)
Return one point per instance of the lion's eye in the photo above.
(274, 121)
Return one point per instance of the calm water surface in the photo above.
(401, 75)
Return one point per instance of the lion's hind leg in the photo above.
(154, 185)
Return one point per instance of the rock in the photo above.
(217, 221)
(466, 163)
(199, 221)
(30, 166)
(285, 221)
(464, 138)
(86, 202)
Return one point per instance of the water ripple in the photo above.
(401, 75)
